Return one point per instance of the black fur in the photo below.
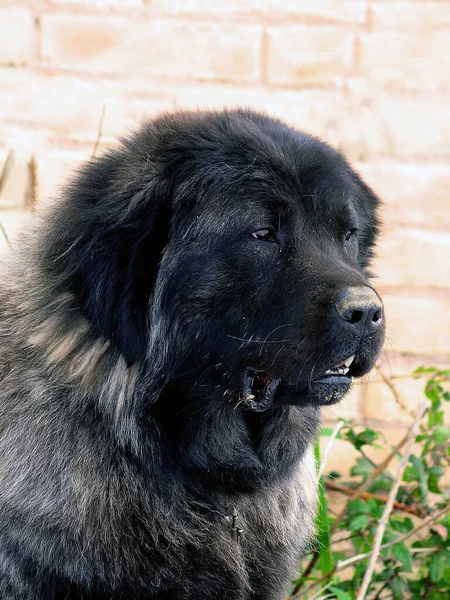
(129, 316)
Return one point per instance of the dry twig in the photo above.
(342, 564)
(99, 132)
(32, 195)
(411, 436)
(337, 487)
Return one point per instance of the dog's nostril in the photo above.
(377, 316)
(355, 316)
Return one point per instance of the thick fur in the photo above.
(129, 311)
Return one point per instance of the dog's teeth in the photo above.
(349, 361)
(337, 371)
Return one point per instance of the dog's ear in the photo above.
(368, 205)
(107, 240)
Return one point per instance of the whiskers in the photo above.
(266, 340)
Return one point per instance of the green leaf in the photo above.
(368, 436)
(419, 467)
(433, 392)
(363, 467)
(437, 566)
(422, 370)
(402, 554)
(433, 484)
(398, 588)
(340, 593)
(358, 523)
(435, 417)
(441, 434)
(357, 507)
(402, 525)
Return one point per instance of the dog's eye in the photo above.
(265, 235)
(351, 233)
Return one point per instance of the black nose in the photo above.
(359, 309)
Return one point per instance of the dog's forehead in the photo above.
(259, 194)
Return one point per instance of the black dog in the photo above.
(168, 333)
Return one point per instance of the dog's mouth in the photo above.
(339, 373)
(259, 388)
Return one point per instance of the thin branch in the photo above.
(376, 473)
(390, 503)
(333, 436)
(99, 132)
(342, 564)
(357, 494)
(367, 495)
(398, 398)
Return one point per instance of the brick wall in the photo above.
(371, 77)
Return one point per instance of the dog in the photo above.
(169, 331)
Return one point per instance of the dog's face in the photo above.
(249, 239)
(271, 271)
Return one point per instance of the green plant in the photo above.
(392, 538)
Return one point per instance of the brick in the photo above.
(201, 7)
(72, 107)
(16, 35)
(413, 194)
(418, 323)
(393, 125)
(424, 16)
(99, 3)
(407, 62)
(216, 97)
(164, 48)
(312, 111)
(327, 10)
(300, 54)
(413, 258)
(416, 125)
(381, 404)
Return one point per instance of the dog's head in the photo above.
(230, 246)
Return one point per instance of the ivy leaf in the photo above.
(402, 553)
(368, 436)
(357, 507)
(435, 417)
(398, 588)
(421, 476)
(441, 434)
(340, 593)
(437, 566)
(401, 525)
(358, 523)
(433, 484)
(363, 467)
